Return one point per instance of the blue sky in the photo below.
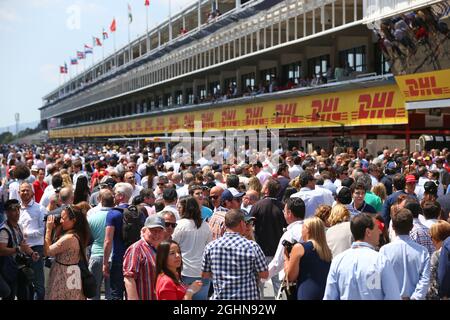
(37, 36)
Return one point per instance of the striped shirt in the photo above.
(139, 263)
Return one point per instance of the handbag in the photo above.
(88, 282)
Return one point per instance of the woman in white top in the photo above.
(192, 234)
(339, 236)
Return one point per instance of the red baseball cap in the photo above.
(410, 178)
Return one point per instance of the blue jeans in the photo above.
(116, 280)
(39, 279)
(96, 267)
(203, 293)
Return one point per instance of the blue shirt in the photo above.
(206, 213)
(361, 273)
(97, 223)
(443, 272)
(411, 263)
(114, 218)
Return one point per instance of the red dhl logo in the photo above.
(228, 115)
(189, 120)
(252, 113)
(425, 86)
(288, 109)
(326, 110)
(207, 117)
(378, 105)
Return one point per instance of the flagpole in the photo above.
(148, 38)
(170, 20)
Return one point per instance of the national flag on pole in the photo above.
(97, 42)
(88, 51)
(73, 61)
(147, 2)
(105, 34)
(63, 69)
(87, 47)
(130, 15)
(80, 55)
(112, 28)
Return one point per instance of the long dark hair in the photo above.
(81, 227)
(150, 172)
(161, 261)
(192, 211)
(82, 191)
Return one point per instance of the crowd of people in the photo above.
(335, 225)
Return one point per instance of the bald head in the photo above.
(66, 195)
(215, 194)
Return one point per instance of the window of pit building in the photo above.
(292, 71)
(230, 84)
(179, 95)
(214, 88)
(318, 66)
(382, 65)
(268, 74)
(190, 96)
(248, 80)
(355, 57)
(201, 93)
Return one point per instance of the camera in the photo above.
(24, 260)
(288, 245)
(57, 218)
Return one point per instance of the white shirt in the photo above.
(183, 191)
(192, 243)
(32, 223)
(327, 195)
(263, 176)
(293, 233)
(93, 210)
(374, 180)
(136, 191)
(295, 171)
(312, 199)
(48, 192)
(78, 174)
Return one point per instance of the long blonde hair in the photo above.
(339, 213)
(316, 234)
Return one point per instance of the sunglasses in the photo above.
(250, 223)
(214, 197)
(170, 224)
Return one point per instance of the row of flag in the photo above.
(97, 42)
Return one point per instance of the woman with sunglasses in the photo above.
(193, 234)
(72, 236)
(168, 269)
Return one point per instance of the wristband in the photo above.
(190, 291)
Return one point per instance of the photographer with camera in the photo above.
(65, 275)
(16, 256)
(294, 213)
(32, 223)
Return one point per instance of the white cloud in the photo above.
(50, 74)
(8, 15)
(44, 3)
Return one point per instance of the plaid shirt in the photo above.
(421, 235)
(139, 263)
(234, 262)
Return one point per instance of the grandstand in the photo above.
(318, 70)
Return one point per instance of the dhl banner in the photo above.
(373, 106)
(425, 86)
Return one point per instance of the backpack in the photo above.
(132, 224)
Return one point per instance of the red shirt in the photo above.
(39, 190)
(167, 289)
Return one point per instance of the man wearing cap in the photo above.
(107, 182)
(269, 223)
(139, 261)
(12, 242)
(309, 195)
(230, 199)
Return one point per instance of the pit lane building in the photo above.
(315, 69)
